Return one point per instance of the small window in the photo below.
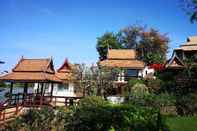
(131, 72)
(60, 87)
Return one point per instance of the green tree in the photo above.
(108, 40)
(153, 46)
(150, 44)
(190, 7)
(130, 36)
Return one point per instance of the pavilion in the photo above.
(27, 72)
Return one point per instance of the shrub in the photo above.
(133, 81)
(164, 101)
(92, 101)
(91, 115)
(154, 84)
(187, 104)
(139, 90)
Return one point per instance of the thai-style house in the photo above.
(187, 50)
(126, 61)
(178, 62)
(27, 72)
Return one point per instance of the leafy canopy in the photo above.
(150, 44)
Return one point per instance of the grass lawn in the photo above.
(182, 123)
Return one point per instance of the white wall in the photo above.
(64, 91)
(146, 71)
(59, 89)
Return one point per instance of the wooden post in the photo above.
(51, 92)
(10, 94)
(41, 97)
(25, 93)
(38, 89)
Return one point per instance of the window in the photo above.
(64, 86)
(132, 72)
(60, 87)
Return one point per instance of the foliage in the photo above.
(150, 44)
(92, 114)
(153, 47)
(154, 100)
(154, 84)
(92, 101)
(182, 123)
(34, 120)
(187, 104)
(190, 6)
(139, 90)
(108, 40)
(133, 81)
(2, 84)
(129, 36)
(95, 81)
(104, 116)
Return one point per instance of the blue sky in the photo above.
(69, 28)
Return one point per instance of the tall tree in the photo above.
(150, 44)
(108, 40)
(130, 36)
(190, 6)
(153, 47)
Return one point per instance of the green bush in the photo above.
(187, 104)
(103, 116)
(34, 120)
(133, 81)
(164, 101)
(92, 101)
(154, 84)
(139, 90)
(91, 115)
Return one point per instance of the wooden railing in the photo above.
(18, 101)
(8, 111)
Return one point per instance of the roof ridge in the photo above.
(21, 59)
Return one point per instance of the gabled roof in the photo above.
(65, 67)
(122, 58)
(32, 70)
(34, 65)
(190, 45)
(132, 64)
(121, 54)
(175, 63)
(65, 71)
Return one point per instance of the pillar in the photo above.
(51, 91)
(10, 93)
(25, 92)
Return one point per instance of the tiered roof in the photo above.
(65, 71)
(190, 45)
(122, 58)
(32, 70)
(175, 63)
